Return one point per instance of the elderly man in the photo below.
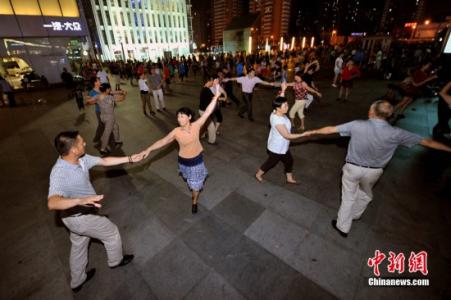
(372, 145)
(72, 193)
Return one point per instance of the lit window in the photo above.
(69, 8)
(50, 7)
(26, 7)
(5, 8)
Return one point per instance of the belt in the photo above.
(368, 167)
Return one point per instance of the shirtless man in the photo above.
(190, 159)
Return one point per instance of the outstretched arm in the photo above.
(160, 143)
(286, 134)
(113, 161)
(324, 130)
(58, 202)
(430, 143)
(210, 108)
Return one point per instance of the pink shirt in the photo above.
(248, 84)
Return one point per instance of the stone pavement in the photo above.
(250, 240)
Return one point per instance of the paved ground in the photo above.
(250, 240)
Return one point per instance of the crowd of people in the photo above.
(372, 144)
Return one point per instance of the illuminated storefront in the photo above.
(43, 35)
(140, 29)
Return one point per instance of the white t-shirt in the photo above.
(247, 83)
(338, 64)
(276, 142)
(143, 85)
(103, 76)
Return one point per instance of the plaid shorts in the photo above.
(193, 171)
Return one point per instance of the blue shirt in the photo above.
(93, 93)
(374, 141)
(72, 181)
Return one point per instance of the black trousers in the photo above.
(229, 91)
(247, 105)
(274, 158)
(444, 115)
(100, 128)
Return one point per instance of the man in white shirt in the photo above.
(248, 83)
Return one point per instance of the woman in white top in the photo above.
(279, 139)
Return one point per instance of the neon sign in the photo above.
(64, 26)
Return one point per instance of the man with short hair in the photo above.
(372, 145)
(248, 83)
(71, 192)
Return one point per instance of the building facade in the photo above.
(43, 36)
(223, 13)
(140, 29)
(275, 17)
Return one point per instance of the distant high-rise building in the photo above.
(138, 29)
(274, 16)
(223, 11)
(202, 22)
(396, 13)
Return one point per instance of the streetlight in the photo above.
(427, 22)
(312, 42)
(303, 42)
(281, 44)
(292, 43)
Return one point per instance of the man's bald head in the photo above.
(381, 109)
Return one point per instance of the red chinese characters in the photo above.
(418, 262)
(376, 261)
(396, 262)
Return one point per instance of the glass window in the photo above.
(148, 20)
(169, 19)
(26, 7)
(132, 36)
(115, 20)
(99, 14)
(126, 4)
(112, 37)
(122, 19)
(135, 17)
(5, 8)
(142, 20)
(133, 3)
(164, 21)
(49, 7)
(145, 37)
(69, 8)
(108, 20)
(104, 37)
(129, 17)
(153, 20)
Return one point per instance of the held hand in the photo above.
(307, 133)
(319, 95)
(137, 157)
(283, 86)
(92, 201)
(145, 154)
